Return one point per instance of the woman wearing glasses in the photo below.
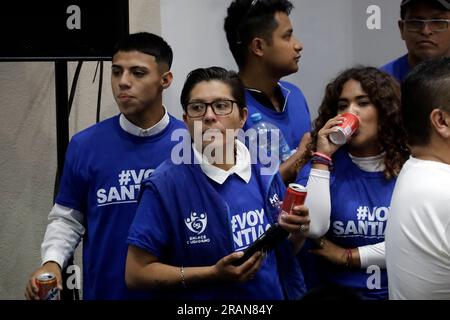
(195, 219)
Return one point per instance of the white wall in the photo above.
(333, 32)
(335, 37)
(194, 29)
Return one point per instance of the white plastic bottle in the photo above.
(261, 137)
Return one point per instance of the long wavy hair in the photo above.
(384, 93)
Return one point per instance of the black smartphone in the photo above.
(266, 242)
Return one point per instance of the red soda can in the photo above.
(48, 286)
(345, 129)
(295, 195)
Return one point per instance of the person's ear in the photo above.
(257, 46)
(166, 79)
(440, 121)
(185, 119)
(243, 114)
(401, 27)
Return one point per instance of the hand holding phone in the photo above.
(266, 242)
(295, 195)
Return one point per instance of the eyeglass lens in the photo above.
(220, 107)
(434, 25)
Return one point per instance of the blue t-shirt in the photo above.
(248, 222)
(359, 211)
(294, 121)
(398, 68)
(183, 220)
(103, 171)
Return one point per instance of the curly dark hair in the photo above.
(384, 93)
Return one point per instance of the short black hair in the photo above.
(147, 43)
(230, 78)
(247, 19)
(404, 8)
(426, 87)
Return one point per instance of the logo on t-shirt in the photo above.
(123, 190)
(247, 227)
(370, 222)
(196, 223)
(274, 200)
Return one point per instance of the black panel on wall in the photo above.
(62, 29)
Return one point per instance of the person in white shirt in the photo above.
(418, 232)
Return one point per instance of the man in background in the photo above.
(261, 38)
(424, 26)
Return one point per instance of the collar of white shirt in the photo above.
(133, 129)
(242, 167)
(370, 164)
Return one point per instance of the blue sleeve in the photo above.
(74, 185)
(305, 102)
(149, 230)
(277, 187)
(303, 174)
(281, 186)
(386, 68)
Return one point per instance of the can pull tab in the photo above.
(295, 195)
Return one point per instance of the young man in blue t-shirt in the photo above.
(424, 26)
(260, 37)
(104, 166)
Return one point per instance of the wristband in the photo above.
(183, 279)
(321, 155)
(322, 159)
(348, 259)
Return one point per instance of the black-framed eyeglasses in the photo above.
(244, 17)
(220, 107)
(435, 25)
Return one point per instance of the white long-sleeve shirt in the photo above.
(319, 203)
(66, 226)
